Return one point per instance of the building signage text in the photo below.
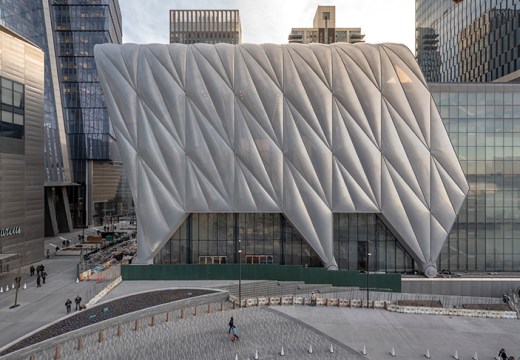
(14, 230)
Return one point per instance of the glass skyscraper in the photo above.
(469, 40)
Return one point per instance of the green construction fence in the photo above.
(376, 281)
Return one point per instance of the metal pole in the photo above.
(239, 275)
(368, 289)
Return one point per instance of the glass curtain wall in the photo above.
(459, 41)
(483, 122)
(268, 238)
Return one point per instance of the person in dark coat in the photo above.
(44, 276)
(68, 305)
(231, 324)
(38, 281)
(77, 300)
(31, 270)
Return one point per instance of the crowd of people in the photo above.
(40, 274)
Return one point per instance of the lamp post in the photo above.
(239, 274)
(368, 289)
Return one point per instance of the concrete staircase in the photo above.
(270, 288)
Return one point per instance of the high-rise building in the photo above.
(21, 147)
(205, 26)
(84, 179)
(468, 41)
(324, 30)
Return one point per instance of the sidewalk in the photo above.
(40, 306)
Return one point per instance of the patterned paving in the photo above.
(205, 337)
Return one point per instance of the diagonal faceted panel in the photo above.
(302, 130)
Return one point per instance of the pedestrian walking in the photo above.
(234, 335)
(77, 300)
(68, 305)
(38, 281)
(231, 323)
(31, 270)
(44, 276)
(38, 270)
(313, 299)
(48, 253)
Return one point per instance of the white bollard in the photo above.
(282, 353)
(475, 357)
(7, 288)
(393, 351)
(364, 351)
(1, 289)
(331, 350)
(12, 286)
(456, 355)
(24, 286)
(236, 356)
(428, 356)
(310, 349)
(256, 355)
(77, 280)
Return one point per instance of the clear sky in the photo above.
(270, 21)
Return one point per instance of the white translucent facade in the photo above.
(303, 130)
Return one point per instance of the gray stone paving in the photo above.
(205, 336)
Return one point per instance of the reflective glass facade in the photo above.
(270, 238)
(205, 26)
(12, 109)
(483, 122)
(467, 41)
(79, 25)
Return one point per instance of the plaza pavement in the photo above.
(40, 306)
(264, 329)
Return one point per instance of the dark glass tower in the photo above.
(468, 40)
(78, 26)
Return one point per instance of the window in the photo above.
(12, 109)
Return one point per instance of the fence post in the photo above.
(136, 325)
(119, 330)
(57, 353)
(167, 316)
(101, 336)
(80, 343)
(209, 308)
(221, 306)
(182, 313)
(152, 323)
